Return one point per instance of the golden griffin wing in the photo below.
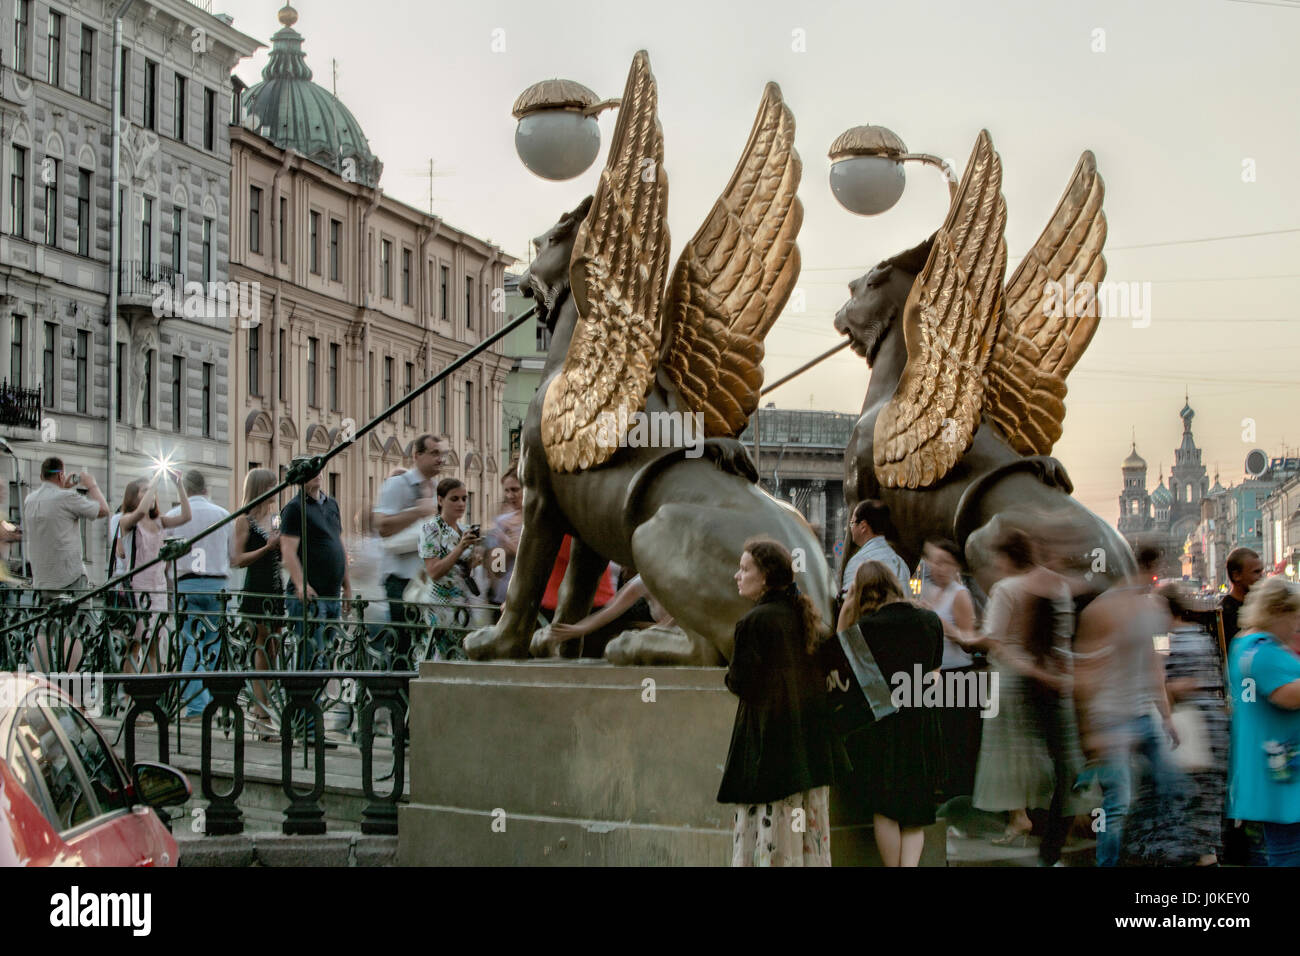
(949, 326)
(616, 273)
(735, 275)
(1041, 338)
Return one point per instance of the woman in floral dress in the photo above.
(784, 755)
(449, 556)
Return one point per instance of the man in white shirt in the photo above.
(870, 525)
(200, 576)
(52, 516)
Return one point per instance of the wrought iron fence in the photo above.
(20, 407)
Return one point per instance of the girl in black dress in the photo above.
(783, 755)
(256, 547)
(897, 762)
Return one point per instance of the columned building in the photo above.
(360, 300)
(169, 390)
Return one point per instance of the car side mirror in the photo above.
(159, 785)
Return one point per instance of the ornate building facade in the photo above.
(1165, 516)
(360, 300)
(169, 390)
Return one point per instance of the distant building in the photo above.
(361, 298)
(1280, 522)
(800, 458)
(525, 349)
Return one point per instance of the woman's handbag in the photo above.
(122, 599)
(419, 590)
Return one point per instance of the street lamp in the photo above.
(557, 137)
(867, 169)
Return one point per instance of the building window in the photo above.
(83, 370)
(334, 377)
(124, 84)
(207, 399)
(87, 78)
(254, 360)
(254, 219)
(47, 364)
(18, 192)
(146, 238)
(50, 173)
(207, 251)
(22, 9)
(179, 94)
(119, 382)
(336, 232)
(282, 352)
(388, 381)
(469, 302)
(469, 409)
(83, 212)
(146, 413)
(410, 387)
(150, 95)
(312, 346)
(54, 50)
(16, 352)
(209, 119)
(370, 384)
(178, 234)
(178, 397)
(313, 241)
(386, 267)
(122, 236)
(442, 406)
(406, 277)
(284, 226)
(444, 279)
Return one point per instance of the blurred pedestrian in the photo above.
(1194, 681)
(144, 528)
(502, 542)
(406, 502)
(898, 763)
(783, 755)
(201, 576)
(1123, 705)
(943, 592)
(261, 602)
(1264, 677)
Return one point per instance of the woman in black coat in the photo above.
(898, 763)
(784, 755)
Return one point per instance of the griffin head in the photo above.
(876, 300)
(547, 278)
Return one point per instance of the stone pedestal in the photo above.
(577, 764)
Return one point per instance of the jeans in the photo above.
(1115, 775)
(1274, 844)
(313, 652)
(397, 617)
(1045, 705)
(200, 605)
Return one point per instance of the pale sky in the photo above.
(1183, 96)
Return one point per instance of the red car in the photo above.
(65, 797)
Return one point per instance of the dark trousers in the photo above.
(397, 615)
(1045, 705)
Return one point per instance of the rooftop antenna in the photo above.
(431, 175)
(334, 69)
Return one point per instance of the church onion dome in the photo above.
(295, 113)
(1162, 496)
(1134, 460)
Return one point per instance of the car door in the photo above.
(87, 795)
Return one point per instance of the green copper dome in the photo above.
(295, 113)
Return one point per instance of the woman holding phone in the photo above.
(448, 550)
(141, 516)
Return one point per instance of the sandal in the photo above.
(1012, 837)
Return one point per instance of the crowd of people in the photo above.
(1181, 754)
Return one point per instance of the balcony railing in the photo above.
(20, 407)
(137, 277)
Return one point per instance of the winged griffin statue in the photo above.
(625, 346)
(966, 397)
